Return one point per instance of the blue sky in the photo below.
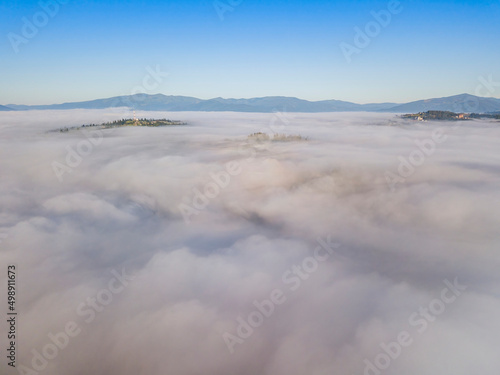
(97, 49)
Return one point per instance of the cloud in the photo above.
(117, 212)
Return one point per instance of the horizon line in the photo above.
(248, 98)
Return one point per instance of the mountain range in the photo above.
(160, 102)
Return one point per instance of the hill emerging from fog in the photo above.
(159, 102)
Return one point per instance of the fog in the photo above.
(242, 256)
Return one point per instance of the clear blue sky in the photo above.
(97, 49)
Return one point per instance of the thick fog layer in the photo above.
(371, 247)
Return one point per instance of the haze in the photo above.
(392, 248)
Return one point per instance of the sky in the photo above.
(83, 50)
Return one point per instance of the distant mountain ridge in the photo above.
(159, 102)
(458, 103)
(4, 108)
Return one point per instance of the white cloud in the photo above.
(119, 210)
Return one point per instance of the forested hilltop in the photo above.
(448, 116)
(128, 122)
